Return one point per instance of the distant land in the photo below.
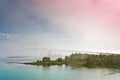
(101, 60)
(16, 56)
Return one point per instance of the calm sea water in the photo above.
(15, 71)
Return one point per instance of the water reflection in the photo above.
(114, 71)
(55, 72)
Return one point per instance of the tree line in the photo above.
(83, 60)
(93, 60)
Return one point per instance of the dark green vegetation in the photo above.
(92, 60)
(83, 60)
(47, 62)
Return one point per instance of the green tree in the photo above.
(46, 59)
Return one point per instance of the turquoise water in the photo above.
(27, 72)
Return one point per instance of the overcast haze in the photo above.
(27, 26)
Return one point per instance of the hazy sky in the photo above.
(26, 26)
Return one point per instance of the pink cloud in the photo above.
(85, 20)
(107, 9)
(73, 12)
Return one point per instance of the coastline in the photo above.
(82, 60)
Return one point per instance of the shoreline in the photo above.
(60, 64)
(82, 60)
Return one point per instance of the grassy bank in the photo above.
(47, 63)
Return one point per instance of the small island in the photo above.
(47, 62)
(83, 60)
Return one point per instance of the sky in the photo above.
(28, 26)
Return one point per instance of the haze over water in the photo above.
(13, 71)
